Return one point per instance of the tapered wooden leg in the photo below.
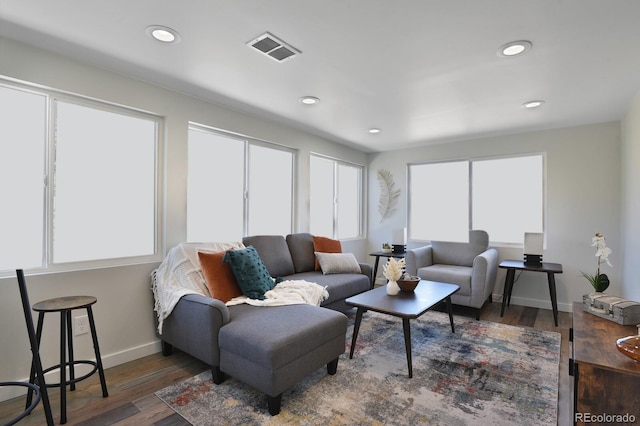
(552, 293)
(356, 328)
(450, 311)
(407, 343)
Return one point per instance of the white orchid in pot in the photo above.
(599, 281)
(393, 271)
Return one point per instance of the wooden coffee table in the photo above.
(406, 305)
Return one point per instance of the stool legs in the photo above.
(63, 367)
(32, 375)
(96, 349)
(66, 350)
(36, 366)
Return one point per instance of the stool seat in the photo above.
(64, 303)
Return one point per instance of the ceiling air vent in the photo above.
(274, 48)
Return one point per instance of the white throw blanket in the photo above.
(180, 274)
(289, 292)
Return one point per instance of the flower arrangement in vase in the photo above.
(599, 281)
(393, 271)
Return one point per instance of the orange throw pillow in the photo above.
(325, 245)
(218, 276)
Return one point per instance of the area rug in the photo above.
(485, 373)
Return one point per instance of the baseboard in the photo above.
(108, 361)
(534, 303)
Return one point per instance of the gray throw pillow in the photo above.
(338, 263)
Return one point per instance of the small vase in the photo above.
(392, 288)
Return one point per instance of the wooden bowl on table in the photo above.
(408, 285)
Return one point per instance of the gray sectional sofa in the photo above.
(268, 347)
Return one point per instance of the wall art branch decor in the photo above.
(389, 194)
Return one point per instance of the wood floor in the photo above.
(131, 386)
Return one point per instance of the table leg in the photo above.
(552, 293)
(356, 328)
(508, 287)
(450, 311)
(375, 272)
(407, 343)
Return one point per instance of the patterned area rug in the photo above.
(485, 373)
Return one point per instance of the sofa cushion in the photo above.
(274, 252)
(218, 276)
(461, 254)
(451, 274)
(338, 263)
(339, 286)
(325, 245)
(249, 271)
(274, 336)
(302, 252)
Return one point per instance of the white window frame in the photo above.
(248, 142)
(470, 162)
(336, 184)
(52, 96)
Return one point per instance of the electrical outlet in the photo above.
(81, 325)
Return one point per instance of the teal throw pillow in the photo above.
(251, 275)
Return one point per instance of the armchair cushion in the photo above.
(451, 274)
(461, 254)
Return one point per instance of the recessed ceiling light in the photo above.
(374, 130)
(532, 104)
(515, 48)
(309, 100)
(163, 34)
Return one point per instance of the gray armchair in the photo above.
(472, 266)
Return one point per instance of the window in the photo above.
(439, 197)
(336, 198)
(82, 183)
(237, 187)
(22, 158)
(503, 196)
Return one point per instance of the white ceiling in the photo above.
(424, 71)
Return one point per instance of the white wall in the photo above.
(124, 312)
(583, 197)
(630, 228)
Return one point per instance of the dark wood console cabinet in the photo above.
(605, 381)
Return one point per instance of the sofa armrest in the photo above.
(483, 276)
(367, 270)
(418, 258)
(193, 327)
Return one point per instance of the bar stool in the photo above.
(40, 389)
(64, 305)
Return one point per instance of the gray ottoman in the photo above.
(272, 348)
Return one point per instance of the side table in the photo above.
(604, 380)
(378, 255)
(550, 268)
